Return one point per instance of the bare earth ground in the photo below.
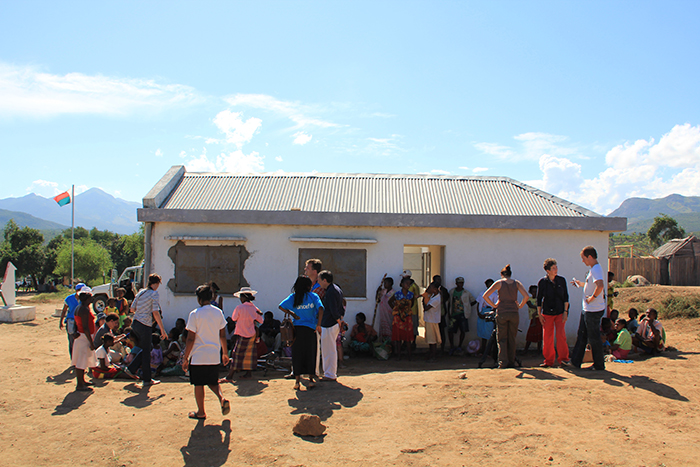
(380, 413)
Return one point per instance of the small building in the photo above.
(257, 230)
(679, 261)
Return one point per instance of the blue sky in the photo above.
(592, 101)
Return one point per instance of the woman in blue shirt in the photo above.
(307, 310)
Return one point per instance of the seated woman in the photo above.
(362, 335)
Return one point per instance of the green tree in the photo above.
(24, 247)
(663, 229)
(92, 261)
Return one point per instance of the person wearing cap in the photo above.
(83, 349)
(244, 356)
(461, 302)
(415, 290)
(68, 316)
(146, 308)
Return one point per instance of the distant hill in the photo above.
(23, 219)
(93, 208)
(640, 212)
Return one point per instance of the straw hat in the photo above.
(244, 290)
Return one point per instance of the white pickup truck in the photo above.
(131, 280)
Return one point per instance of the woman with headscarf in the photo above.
(244, 356)
(507, 317)
(306, 309)
(83, 349)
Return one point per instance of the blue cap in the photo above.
(79, 286)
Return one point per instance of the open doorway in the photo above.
(424, 262)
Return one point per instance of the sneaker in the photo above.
(544, 365)
(152, 382)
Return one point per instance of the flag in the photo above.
(62, 199)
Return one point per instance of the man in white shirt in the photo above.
(594, 305)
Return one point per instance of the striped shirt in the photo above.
(144, 304)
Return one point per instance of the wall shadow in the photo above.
(71, 402)
(207, 446)
(324, 399)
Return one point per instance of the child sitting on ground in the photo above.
(121, 304)
(612, 335)
(632, 323)
(172, 353)
(606, 329)
(534, 332)
(623, 343)
(156, 355)
(104, 369)
(362, 335)
(176, 370)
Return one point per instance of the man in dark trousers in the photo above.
(331, 320)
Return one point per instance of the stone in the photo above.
(462, 375)
(309, 425)
(17, 314)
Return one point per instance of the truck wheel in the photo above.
(99, 303)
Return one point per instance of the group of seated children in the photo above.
(622, 337)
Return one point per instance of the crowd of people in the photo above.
(129, 340)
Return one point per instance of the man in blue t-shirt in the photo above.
(67, 316)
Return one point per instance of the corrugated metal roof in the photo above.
(673, 246)
(367, 193)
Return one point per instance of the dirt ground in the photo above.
(644, 413)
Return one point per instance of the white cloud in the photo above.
(237, 130)
(301, 138)
(278, 159)
(530, 146)
(44, 188)
(477, 170)
(295, 111)
(642, 168)
(235, 161)
(159, 153)
(24, 90)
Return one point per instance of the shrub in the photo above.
(680, 307)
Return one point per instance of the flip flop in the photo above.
(194, 416)
(296, 387)
(225, 407)
(225, 380)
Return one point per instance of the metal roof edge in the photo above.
(193, 216)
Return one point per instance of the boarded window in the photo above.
(197, 265)
(349, 267)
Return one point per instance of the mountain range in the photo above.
(640, 212)
(93, 208)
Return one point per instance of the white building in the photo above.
(258, 229)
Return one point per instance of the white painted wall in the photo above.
(475, 254)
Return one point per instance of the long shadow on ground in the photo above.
(207, 446)
(324, 399)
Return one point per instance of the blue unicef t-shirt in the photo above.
(72, 302)
(307, 311)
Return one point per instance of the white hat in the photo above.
(85, 290)
(406, 273)
(243, 290)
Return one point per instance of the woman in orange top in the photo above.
(83, 349)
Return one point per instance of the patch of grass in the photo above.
(679, 307)
(49, 297)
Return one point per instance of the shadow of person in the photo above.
(535, 373)
(63, 378)
(247, 388)
(207, 446)
(324, 399)
(636, 381)
(141, 398)
(72, 401)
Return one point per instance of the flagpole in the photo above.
(72, 236)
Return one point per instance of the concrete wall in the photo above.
(475, 254)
